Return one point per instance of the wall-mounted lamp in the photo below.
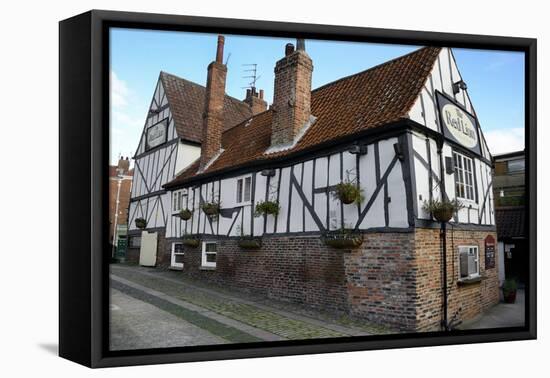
(458, 86)
(358, 149)
(268, 172)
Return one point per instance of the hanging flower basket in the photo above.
(141, 223)
(250, 243)
(343, 239)
(185, 214)
(348, 193)
(443, 210)
(267, 208)
(211, 208)
(191, 242)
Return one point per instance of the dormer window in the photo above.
(244, 190)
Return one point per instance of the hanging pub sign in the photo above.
(489, 252)
(156, 134)
(457, 124)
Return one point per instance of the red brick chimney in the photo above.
(255, 100)
(123, 165)
(292, 97)
(213, 108)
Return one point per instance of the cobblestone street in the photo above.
(153, 308)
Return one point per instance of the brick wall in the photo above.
(472, 298)
(292, 96)
(393, 279)
(213, 112)
(297, 269)
(381, 279)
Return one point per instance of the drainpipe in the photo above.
(443, 236)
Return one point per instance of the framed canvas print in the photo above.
(234, 188)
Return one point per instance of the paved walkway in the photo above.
(500, 315)
(138, 325)
(235, 317)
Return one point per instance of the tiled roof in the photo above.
(373, 98)
(510, 221)
(186, 101)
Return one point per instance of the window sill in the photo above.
(469, 280)
(207, 268)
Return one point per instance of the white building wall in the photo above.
(302, 187)
(155, 168)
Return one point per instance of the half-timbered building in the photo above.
(403, 133)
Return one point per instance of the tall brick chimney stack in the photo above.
(212, 128)
(255, 100)
(292, 97)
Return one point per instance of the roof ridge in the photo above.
(378, 66)
(199, 85)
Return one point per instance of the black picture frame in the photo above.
(84, 142)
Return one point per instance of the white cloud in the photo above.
(505, 140)
(121, 118)
(119, 91)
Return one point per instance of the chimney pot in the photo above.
(219, 52)
(300, 44)
(289, 49)
(261, 94)
(248, 93)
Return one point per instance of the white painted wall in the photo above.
(424, 111)
(186, 155)
(153, 170)
(471, 213)
(312, 177)
(444, 73)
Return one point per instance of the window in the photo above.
(244, 189)
(135, 242)
(179, 200)
(464, 183)
(468, 266)
(209, 250)
(177, 256)
(516, 166)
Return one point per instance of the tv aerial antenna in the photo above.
(252, 74)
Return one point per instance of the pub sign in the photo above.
(457, 124)
(156, 134)
(490, 246)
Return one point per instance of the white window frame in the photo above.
(240, 194)
(173, 263)
(179, 199)
(464, 177)
(468, 249)
(204, 262)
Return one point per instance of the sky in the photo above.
(495, 79)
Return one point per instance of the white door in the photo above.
(148, 249)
